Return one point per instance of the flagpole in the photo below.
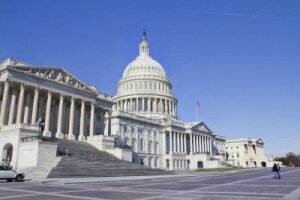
(197, 113)
(197, 110)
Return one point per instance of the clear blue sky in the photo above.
(240, 59)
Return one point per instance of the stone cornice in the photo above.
(150, 95)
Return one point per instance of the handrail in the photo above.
(38, 137)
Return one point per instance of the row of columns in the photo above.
(34, 111)
(177, 164)
(154, 105)
(177, 142)
(133, 133)
(200, 144)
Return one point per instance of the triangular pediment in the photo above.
(55, 74)
(200, 126)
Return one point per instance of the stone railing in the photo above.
(19, 126)
(38, 137)
(174, 123)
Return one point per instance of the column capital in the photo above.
(62, 95)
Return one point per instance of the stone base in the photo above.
(47, 134)
(71, 137)
(59, 135)
(82, 138)
(101, 142)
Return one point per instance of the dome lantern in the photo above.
(144, 46)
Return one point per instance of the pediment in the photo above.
(201, 127)
(59, 75)
(55, 74)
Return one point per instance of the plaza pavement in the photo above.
(243, 184)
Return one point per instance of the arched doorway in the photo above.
(200, 165)
(7, 153)
(142, 161)
(263, 164)
(168, 164)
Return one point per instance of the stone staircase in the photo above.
(40, 172)
(80, 159)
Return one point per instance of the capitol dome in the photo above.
(144, 65)
(144, 88)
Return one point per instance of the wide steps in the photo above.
(80, 159)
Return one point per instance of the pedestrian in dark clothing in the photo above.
(275, 170)
(278, 171)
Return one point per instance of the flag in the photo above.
(198, 104)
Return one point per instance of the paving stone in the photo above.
(110, 194)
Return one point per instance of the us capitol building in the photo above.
(139, 124)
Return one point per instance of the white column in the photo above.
(210, 145)
(12, 107)
(181, 142)
(191, 144)
(169, 111)
(92, 119)
(174, 142)
(161, 107)
(203, 141)
(149, 105)
(60, 116)
(20, 104)
(155, 105)
(164, 143)
(137, 104)
(196, 143)
(171, 143)
(143, 105)
(71, 135)
(207, 140)
(205, 145)
(27, 107)
(185, 144)
(47, 118)
(82, 120)
(178, 142)
(199, 145)
(131, 105)
(35, 106)
(166, 106)
(3, 104)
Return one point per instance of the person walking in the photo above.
(278, 171)
(275, 170)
